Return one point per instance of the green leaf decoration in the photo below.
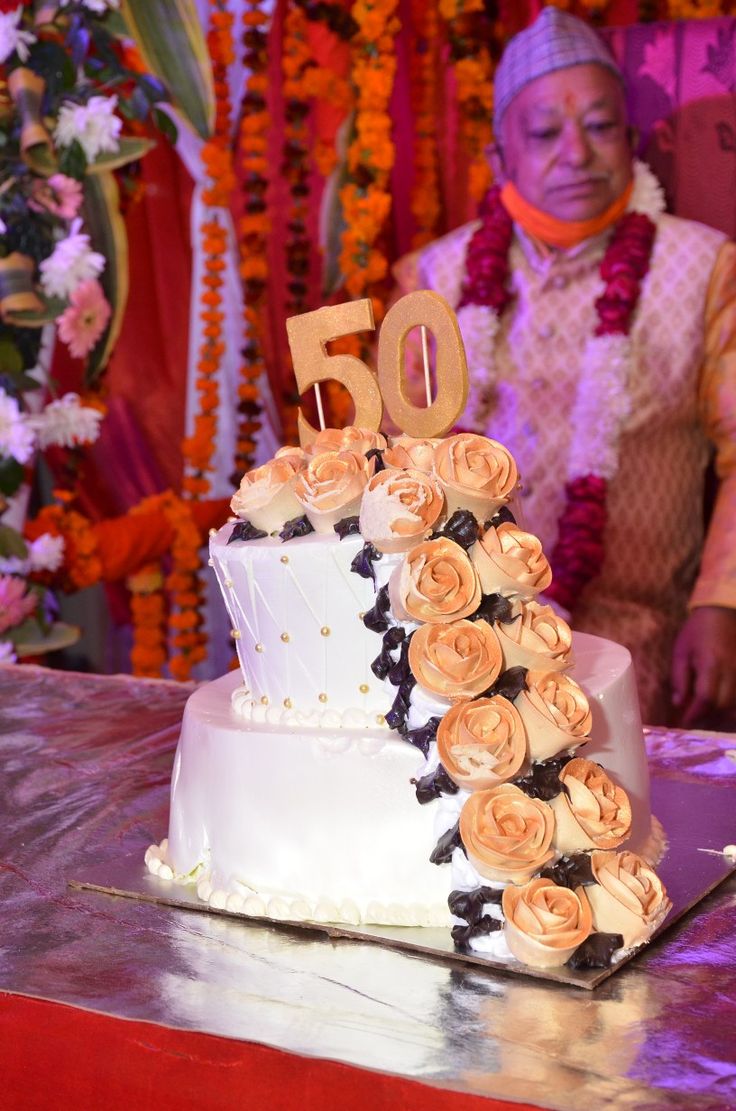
(11, 476)
(73, 160)
(129, 150)
(11, 361)
(166, 125)
(106, 229)
(12, 543)
(27, 318)
(171, 42)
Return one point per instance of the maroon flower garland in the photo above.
(579, 551)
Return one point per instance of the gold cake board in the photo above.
(693, 865)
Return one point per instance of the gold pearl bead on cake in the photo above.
(285, 637)
(210, 563)
(264, 700)
(287, 703)
(228, 582)
(213, 532)
(380, 719)
(363, 688)
(259, 647)
(323, 697)
(361, 615)
(236, 634)
(284, 559)
(325, 631)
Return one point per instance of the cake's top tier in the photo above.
(342, 552)
(297, 613)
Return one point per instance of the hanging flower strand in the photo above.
(425, 199)
(253, 231)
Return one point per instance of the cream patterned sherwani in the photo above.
(683, 393)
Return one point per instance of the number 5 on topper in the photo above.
(310, 333)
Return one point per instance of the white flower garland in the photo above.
(603, 402)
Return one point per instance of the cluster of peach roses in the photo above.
(484, 741)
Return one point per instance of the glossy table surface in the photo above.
(86, 763)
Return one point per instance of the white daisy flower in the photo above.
(72, 262)
(12, 38)
(94, 125)
(46, 552)
(16, 435)
(66, 423)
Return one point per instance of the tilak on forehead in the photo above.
(554, 41)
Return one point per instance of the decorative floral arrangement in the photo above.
(75, 99)
(578, 554)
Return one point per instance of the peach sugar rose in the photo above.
(406, 451)
(628, 897)
(555, 712)
(545, 923)
(476, 473)
(481, 743)
(595, 813)
(349, 438)
(507, 835)
(436, 582)
(511, 561)
(332, 487)
(456, 661)
(399, 508)
(536, 639)
(266, 496)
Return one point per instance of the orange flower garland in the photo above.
(470, 42)
(253, 229)
(366, 197)
(425, 199)
(82, 565)
(148, 613)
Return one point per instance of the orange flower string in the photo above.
(366, 197)
(424, 65)
(471, 40)
(82, 565)
(148, 614)
(253, 230)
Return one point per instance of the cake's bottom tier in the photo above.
(321, 825)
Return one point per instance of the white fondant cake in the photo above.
(297, 780)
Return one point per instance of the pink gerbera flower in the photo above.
(15, 604)
(60, 195)
(83, 321)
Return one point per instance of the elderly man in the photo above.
(601, 342)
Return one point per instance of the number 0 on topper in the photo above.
(310, 332)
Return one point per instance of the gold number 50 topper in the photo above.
(310, 333)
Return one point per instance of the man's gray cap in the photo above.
(554, 41)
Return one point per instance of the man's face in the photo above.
(565, 143)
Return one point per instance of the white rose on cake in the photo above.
(399, 508)
(266, 495)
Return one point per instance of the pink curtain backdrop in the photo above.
(681, 79)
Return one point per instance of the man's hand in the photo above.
(704, 664)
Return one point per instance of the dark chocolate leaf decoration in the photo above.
(384, 661)
(400, 671)
(596, 951)
(375, 618)
(434, 784)
(422, 737)
(244, 530)
(377, 454)
(462, 527)
(570, 871)
(363, 563)
(297, 526)
(494, 607)
(348, 526)
(543, 781)
(469, 904)
(448, 842)
(463, 935)
(510, 683)
(503, 516)
(396, 717)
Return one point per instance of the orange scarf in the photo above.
(560, 233)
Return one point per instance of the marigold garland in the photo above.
(253, 228)
(424, 65)
(148, 614)
(82, 565)
(366, 197)
(471, 42)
